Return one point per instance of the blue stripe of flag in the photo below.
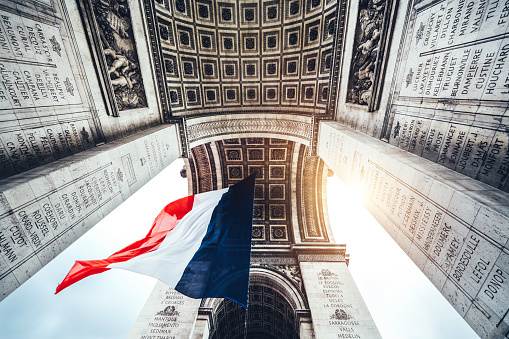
(220, 267)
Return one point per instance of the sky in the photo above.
(402, 302)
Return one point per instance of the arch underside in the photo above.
(271, 313)
(288, 180)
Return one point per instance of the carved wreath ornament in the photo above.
(325, 272)
(341, 315)
(169, 311)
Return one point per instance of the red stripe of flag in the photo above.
(167, 219)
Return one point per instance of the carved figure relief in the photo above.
(292, 272)
(119, 48)
(372, 37)
(366, 47)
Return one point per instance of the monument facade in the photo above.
(408, 99)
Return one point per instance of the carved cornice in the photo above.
(321, 253)
(227, 127)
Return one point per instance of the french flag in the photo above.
(200, 245)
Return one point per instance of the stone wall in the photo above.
(454, 228)
(167, 314)
(449, 100)
(44, 210)
(337, 308)
(445, 91)
(50, 99)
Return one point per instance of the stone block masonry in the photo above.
(167, 314)
(44, 210)
(337, 308)
(454, 228)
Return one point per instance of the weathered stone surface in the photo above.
(50, 99)
(450, 88)
(457, 238)
(44, 210)
(167, 314)
(337, 308)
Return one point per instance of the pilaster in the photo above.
(44, 210)
(337, 308)
(454, 228)
(167, 314)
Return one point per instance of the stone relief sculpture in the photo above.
(119, 49)
(367, 46)
(292, 272)
(366, 49)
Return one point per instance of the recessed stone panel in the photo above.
(258, 169)
(211, 95)
(231, 95)
(259, 212)
(277, 172)
(192, 96)
(255, 154)
(250, 43)
(276, 191)
(271, 12)
(258, 232)
(259, 191)
(249, 15)
(235, 172)
(171, 67)
(233, 154)
(175, 97)
(228, 43)
(278, 233)
(250, 69)
(227, 13)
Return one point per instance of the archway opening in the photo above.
(269, 316)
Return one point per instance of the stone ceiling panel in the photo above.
(247, 55)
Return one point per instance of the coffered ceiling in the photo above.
(288, 180)
(247, 55)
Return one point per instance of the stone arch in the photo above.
(296, 128)
(264, 284)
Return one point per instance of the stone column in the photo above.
(337, 308)
(167, 314)
(202, 326)
(44, 210)
(306, 324)
(454, 228)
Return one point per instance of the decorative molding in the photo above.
(312, 226)
(155, 44)
(337, 57)
(210, 129)
(273, 259)
(321, 257)
(291, 272)
(321, 253)
(204, 169)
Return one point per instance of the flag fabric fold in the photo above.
(200, 245)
